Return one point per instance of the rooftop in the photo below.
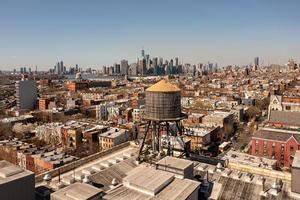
(175, 162)
(117, 171)
(147, 180)
(10, 172)
(113, 133)
(200, 131)
(16, 119)
(235, 185)
(249, 160)
(285, 117)
(76, 191)
(147, 183)
(220, 114)
(163, 86)
(277, 134)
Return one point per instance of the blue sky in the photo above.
(93, 33)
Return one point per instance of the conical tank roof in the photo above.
(163, 86)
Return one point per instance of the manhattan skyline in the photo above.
(97, 33)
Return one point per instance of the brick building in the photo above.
(35, 159)
(285, 119)
(43, 103)
(194, 118)
(72, 137)
(277, 144)
(73, 86)
(223, 119)
(201, 137)
(284, 103)
(113, 137)
(44, 82)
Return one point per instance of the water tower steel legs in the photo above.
(144, 139)
(156, 138)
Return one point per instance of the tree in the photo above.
(202, 105)
(253, 112)
(22, 129)
(262, 104)
(5, 130)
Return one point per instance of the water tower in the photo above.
(163, 106)
(78, 76)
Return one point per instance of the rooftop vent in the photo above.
(86, 179)
(47, 178)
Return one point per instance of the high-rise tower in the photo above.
(26, 93)
(143, 53)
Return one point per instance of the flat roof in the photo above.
(113, 133)
(117, 171)
(175, 162)
(15, 119)
(147, 180)
(143, 178)
(246, 159)
(199, 131)
(219, 114)
(76, 191)
(10, 172)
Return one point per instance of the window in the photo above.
(265, 144)
(292, 149)
(288, 107)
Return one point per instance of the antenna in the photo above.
(207, 175)
(58, 175)
(74, 169)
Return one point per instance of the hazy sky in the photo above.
(93, 33)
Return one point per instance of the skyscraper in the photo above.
(124, 67)
(117, 69)
(143, 53)
(171, 63)
(142, 66)
(26, 93)
(61, 67)
(176, 62)
(58, 68)
(291, 64)
(256, 63)
(155, 62)
(161, 62)
(147, 61)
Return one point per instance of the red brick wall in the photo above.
(291, 100)
(9, 154)
(290, 152)
(281, 150)
(30, 163)
(74, 86)
(43, 104)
